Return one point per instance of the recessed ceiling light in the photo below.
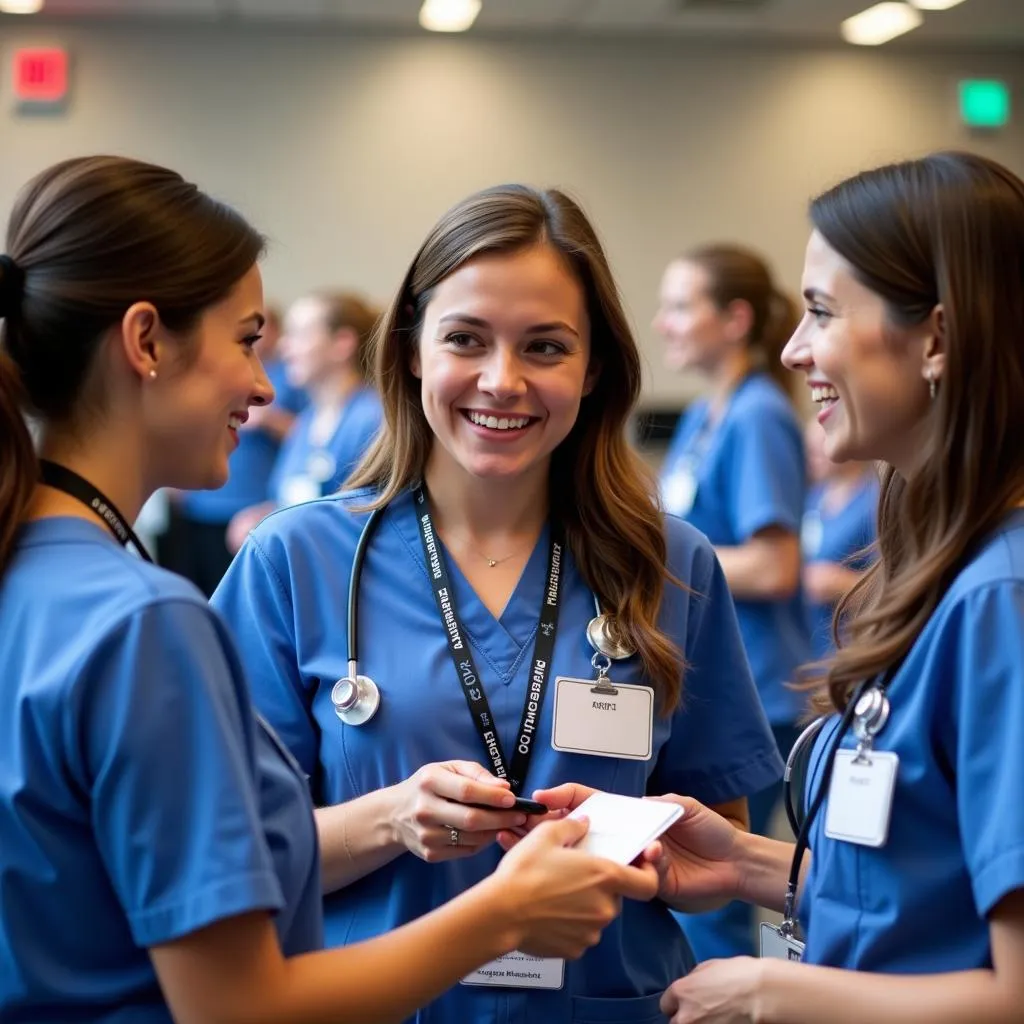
(448, 15)
(20, 6)
(880, 23)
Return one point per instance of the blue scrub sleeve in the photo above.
(164, 745)
(721, 745)
(257, 606)
(768, 477)
(989, 729)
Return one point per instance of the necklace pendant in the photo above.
(491, 562)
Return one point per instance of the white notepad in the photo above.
(622, 827)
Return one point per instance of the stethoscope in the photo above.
(356, 698)
(870, 712)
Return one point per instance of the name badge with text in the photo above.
(592, 719)
(775, 945)
(860, 797)
(520, 970)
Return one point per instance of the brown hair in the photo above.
(738, 274)
(947, 229)
(346, 310)
(86, 239)
(600, 491)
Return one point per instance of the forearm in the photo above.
(386, 979)
(356, 838)
(794, 993)
(758, 571)
(764, 868)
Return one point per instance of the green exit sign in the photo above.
(984, 103)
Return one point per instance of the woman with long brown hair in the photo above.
(908, 874)
(158, 852)
(506, 510)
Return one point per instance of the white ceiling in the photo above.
(973, 23)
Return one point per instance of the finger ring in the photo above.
(453, 836)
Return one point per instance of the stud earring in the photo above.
(152, 374)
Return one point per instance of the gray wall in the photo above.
(344, 150)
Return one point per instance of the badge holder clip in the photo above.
(602, 685)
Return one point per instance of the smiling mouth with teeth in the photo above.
(824, 395)
(498, 422)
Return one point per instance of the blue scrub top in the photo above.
(841, 537)
(139, 799)
(251, 463)
(956, 839)
(304, 471)
(286, 595)
(749, 473)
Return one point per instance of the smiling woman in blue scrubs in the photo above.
(913, 893)
(195, 544)
(508, 373)
(158, 851)
(735, 470)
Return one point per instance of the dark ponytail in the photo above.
(88, 238)
(738, 274)
(18, 467)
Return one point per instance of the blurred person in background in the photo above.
(735, 470)
(837, 533)
(194, 542)
(323, 349)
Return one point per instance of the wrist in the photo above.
(503, 910)
(769, 997)
(744, 861)
(388, 819)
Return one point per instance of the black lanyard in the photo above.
(60, 478)
(462, 658)
(803, 839)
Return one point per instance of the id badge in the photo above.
(588, 720)
(678, 491)
(860, 797)
(519, 970)
(811, 535)
(777, 946)
(298, 489)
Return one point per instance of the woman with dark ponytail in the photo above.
(735, 469)
(158, 851)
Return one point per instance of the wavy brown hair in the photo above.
(600, 491)
(944, 230)
(734, 274)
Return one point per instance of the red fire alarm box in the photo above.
(40, 76)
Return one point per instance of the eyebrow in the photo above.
(260, 319)
(811, 294)
(475, 321)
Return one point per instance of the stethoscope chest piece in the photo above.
(601, 638)
(355, 700)
(870, 714)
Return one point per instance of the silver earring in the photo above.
(152, 374)
(932, 385)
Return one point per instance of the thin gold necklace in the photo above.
(491, 562)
